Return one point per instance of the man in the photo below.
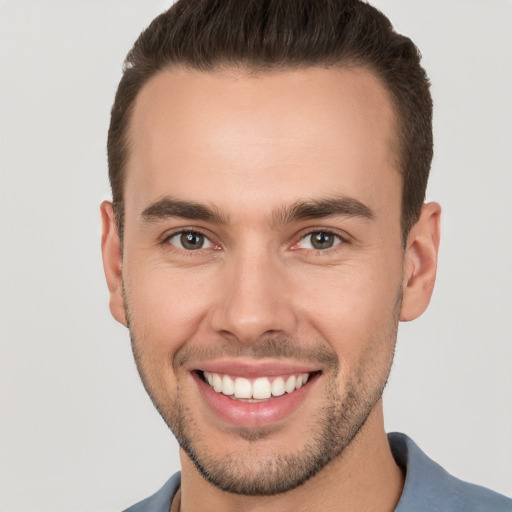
(268, 162)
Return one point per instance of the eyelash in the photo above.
(341, 240)
(167, 240)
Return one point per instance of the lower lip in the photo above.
(253, 414)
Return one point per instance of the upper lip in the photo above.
(252, 368)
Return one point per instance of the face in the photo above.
(263, 265)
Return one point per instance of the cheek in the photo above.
(164, 313)
(355, 309)
(166, 307)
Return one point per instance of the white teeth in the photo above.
(260, 389)
(301, 380)
(243, 388)
(278, 387)
(228, 386)
(217, 382)
(290, 384)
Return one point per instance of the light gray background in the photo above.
(77, 432)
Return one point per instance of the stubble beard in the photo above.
(336, 425)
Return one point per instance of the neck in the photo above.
(364, 477)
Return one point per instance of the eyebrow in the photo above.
(322, 208)
(169, 207)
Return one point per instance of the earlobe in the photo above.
(420, 265)
(112, 261)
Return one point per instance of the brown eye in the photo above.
(190, 241)
(319, 240)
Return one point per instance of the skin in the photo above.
(250, 146)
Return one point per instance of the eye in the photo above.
(319, 240)
(190, 241)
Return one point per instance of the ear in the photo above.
(421, 262)
(112, 261)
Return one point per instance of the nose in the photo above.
(256, 299)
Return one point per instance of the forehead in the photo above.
(234, 136)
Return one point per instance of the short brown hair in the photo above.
(274, 35)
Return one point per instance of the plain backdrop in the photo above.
(77, 431)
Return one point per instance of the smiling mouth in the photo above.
(255, 390)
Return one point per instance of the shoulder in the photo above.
(428, 487)
(161, 500)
